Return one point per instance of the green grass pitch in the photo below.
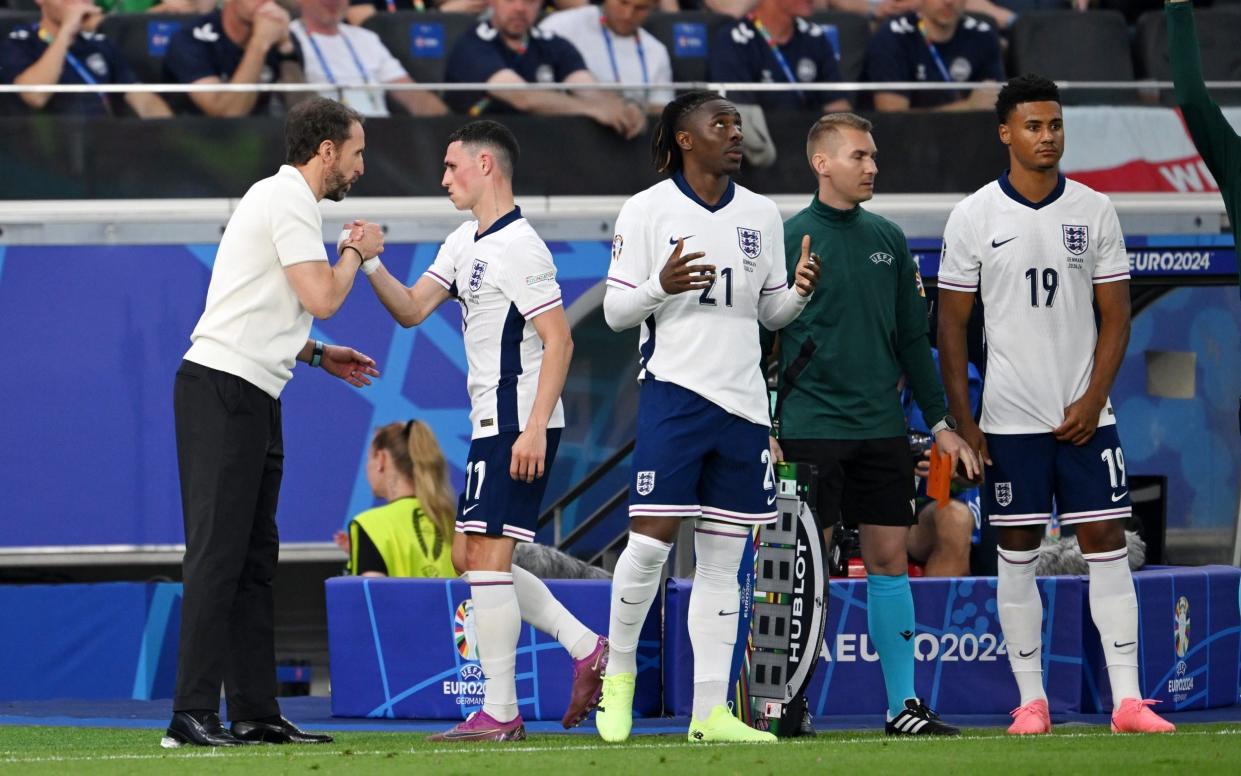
(1194, 749)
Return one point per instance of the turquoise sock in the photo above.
(890, 619)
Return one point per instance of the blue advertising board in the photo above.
(405, 649)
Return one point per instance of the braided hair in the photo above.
(664, 149)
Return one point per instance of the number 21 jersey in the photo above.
(704, 340)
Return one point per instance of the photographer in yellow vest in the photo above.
(411, 535)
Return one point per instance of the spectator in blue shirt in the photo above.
(939, 44)
(776, 43)
(509, 49)
(244, 42)
(62, 49)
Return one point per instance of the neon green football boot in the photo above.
(614, 717)
(722, 727)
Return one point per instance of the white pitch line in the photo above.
(248, 752)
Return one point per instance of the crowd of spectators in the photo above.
(566, 43)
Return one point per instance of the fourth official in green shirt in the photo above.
(838, 399)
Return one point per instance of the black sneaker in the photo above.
(917, 720)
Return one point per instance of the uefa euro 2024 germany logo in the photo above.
(1182, 685)
(469, 684)
(1180, 627)
(463, 633)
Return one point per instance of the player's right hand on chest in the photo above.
(680, 274)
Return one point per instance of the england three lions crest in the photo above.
(751, 241)
(476, 274)
(646, 483)
(1003, 493)
(1076, 238)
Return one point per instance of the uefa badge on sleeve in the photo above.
(618, 242)
(750, 240)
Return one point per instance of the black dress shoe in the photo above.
(273, 732)
(199, 730)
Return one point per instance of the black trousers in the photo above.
(230, 452)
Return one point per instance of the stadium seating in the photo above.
(688, 38)
(849, 33)
(10, 20)
(1218, 33)
(421, 41)
(143, 38)
(1073, 46)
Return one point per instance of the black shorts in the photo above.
(863, 481)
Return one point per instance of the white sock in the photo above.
(541, 609)
(497, 622)
(635, 583)
(713, 610)
(1114, 609)
(1021, 619)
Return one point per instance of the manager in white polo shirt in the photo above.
(616, 49)
(271, 276)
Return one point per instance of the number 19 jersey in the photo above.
(704, 340)
(1035, 266)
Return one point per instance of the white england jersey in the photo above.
(1035, 265)
(503, 280)
(704, 341)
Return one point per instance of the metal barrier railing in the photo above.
(724, 87)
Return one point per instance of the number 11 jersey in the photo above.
(1035, 266)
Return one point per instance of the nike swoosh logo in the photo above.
(726, 614)
(467, 510)
(771, 499)
(995, 244)
(675, 240)
(1118, 496)
(1027, 654)
(1122, 646)
(632, 603)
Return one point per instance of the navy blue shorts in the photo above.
(495, 504)
(693, 459)
(1029, 471)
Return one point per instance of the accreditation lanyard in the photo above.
(357, 61)
(637, 40)
(935, 57)
(77, 65)
(775, 50)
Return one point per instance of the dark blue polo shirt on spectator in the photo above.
(203, 50)
(899, 52)
(740, 53)
(481, 53)
(91, 59)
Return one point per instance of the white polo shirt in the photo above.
(612, 59)
(254, 325)
(354, 56)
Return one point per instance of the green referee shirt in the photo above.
(868, 323)
(1213, 135)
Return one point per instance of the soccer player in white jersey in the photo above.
(698, 262)
(518, 346)
(1042, 251)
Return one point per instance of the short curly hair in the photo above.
(1024, 88)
